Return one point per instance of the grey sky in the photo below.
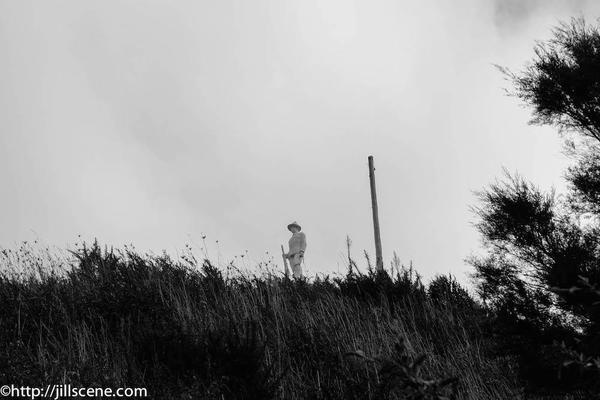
(152, 122)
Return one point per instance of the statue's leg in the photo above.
(296, 262)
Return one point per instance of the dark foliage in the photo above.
(543, 267)
(400, 376)
(561, 84)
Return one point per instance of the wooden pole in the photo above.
(379, 257)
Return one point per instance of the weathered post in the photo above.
(379, 257)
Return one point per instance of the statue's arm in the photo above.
(303, 243)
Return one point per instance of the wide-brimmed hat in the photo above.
(294, 224)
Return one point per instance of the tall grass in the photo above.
(184, 330)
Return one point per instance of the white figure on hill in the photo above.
(297, 245)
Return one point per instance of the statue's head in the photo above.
(294, 227)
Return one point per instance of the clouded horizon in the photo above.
(156, 123)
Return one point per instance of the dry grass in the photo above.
(185, 331)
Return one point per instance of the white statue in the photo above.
(297, 245)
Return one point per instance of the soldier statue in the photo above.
(297, 245)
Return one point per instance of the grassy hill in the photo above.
(182, 330)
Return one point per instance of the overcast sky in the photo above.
(155, 122)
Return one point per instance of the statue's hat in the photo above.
(294, 224)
